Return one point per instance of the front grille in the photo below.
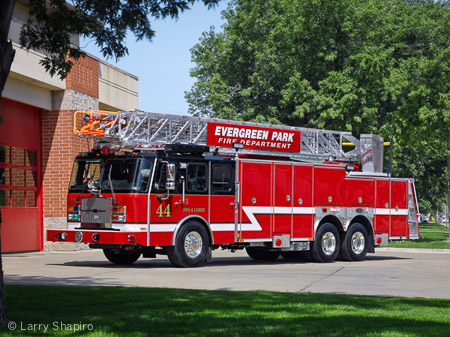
(95, 210)
(96, 204)
(95, 217)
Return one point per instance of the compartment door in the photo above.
(399, 208)
(382, 206)
(282, 191)
(255, 207)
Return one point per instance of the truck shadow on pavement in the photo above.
(163, 263)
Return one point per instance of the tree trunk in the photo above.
(6, 50)
(6, 58)
(4, 318)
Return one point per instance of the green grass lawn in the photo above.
(119, 311)
(432, 236)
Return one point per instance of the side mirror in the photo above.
(170, 177)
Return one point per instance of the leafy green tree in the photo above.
(363, 66)
(51, 24)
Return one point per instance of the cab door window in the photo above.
(196, 178)
(222, 179)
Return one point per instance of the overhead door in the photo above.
(19, 177)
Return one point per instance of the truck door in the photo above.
(303, 211)
(399, 209)
(255, 207)
(222, 196)
(382, 206)
(282, 191)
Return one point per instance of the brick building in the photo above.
(37, 145)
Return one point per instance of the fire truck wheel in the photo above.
(122, 256)
(191, 246)
(304, 255)
(260, 253)
(354, 246)
(291, 255)
(327, 244)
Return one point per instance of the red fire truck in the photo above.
(184, 186)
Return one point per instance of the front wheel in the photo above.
(326, 244)
(191, 246)
(355, 243)
(122, 255)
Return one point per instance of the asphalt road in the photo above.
(386, 273)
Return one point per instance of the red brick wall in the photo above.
(84, 76)
(59, 148)
(59, 144)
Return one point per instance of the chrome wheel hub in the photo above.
(193, 244)
(328, 243)
(358, 243)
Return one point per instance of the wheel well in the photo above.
(330, 219)
(195, 218)
(366, 223)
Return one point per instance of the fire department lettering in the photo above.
(253, 137)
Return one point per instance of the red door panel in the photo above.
(329, 185)
(20, 177)
(282, 199)
(382, 206)
(256, 211)
(222, 218)
(399, 208)
(359, 192)
(302, 202)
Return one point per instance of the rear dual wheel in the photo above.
(355, 243)
(327, 244)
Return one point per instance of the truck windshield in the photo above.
(84, 170)
(131, 175)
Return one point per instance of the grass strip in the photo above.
(121, 311)
(432, 236)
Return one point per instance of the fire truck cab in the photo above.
(185, 200)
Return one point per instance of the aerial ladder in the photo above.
(149, 131)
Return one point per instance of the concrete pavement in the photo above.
(387, 273)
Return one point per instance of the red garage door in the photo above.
(19, 177)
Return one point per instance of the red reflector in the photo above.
(278, 242)
(379, 240)
(324, 210)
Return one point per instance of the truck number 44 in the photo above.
(166, 211)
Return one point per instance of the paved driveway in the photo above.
(386, 273)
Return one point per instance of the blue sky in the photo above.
(163, 64)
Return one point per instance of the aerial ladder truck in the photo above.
(184, 186)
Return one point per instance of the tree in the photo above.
(52, 22)
(364, 66)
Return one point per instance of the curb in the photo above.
(413, 250)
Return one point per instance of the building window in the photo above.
(18, 177)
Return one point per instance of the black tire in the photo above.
(122, 255)
(291, 255)
(327, 244)
(191, 246)
(261, 253)
(355, 243)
